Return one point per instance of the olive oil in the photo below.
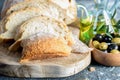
(85, 30)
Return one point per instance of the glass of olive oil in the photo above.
(85, 30)
(86, 21)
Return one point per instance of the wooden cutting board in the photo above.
(56, 67)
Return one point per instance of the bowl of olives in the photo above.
(106, 49)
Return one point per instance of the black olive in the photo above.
(107, 39)
(98, 37)
(119, 48)
(113, 35)
(111, 47)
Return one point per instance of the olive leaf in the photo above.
(99, 26)
(103, 29)
(115, 11)
(117, 27)
(109, 34)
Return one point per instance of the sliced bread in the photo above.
(11, 22)
(7, 4)
(79, 46)
(16, 18)
(42, 24)
(44, 46)
(67, 7)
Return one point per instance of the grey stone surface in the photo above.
(101, 72)
(1, 3)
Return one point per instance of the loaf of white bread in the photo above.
(31, 9)
(68, 7)
(40, 28)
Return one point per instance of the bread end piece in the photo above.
(44, 48)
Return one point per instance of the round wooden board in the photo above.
(56, 67)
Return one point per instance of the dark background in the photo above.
(101, 72)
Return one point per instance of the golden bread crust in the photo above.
(44, 48)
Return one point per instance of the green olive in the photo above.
(116, 40)
(96, 44)
(103, 46)
(114, 51)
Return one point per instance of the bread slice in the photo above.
(11, 22)
(1, 28)
(42, 24)
(79, 46)
(7, 4)
(65, 4)
(66, 9)
(44, 46)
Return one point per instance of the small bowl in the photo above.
(107, 59)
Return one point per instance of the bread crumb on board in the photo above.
(92, 69)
